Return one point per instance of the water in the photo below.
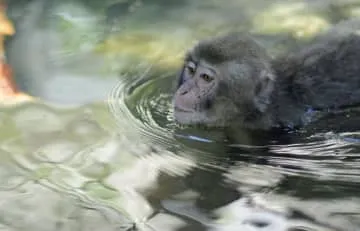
(100, 150)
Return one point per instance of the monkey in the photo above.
(231, 81)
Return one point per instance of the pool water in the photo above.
(99, 149)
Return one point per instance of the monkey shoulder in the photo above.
(325, 74)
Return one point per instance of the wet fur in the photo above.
(261, 93)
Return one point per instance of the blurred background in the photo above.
(96, 40)
(97, 147)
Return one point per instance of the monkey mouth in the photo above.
(178, 109)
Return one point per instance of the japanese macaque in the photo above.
(230, 80)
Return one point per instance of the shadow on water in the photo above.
(75, 162)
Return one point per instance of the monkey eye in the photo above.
(206, 77)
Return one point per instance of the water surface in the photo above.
(100, 150)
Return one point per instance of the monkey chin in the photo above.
(188, 117)
(198, 119)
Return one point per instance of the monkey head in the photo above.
(224, 80)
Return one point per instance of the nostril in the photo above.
(183, 92)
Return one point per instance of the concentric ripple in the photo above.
(141, 105)
(306, 164)
(141, 102)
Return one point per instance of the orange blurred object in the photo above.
(9, 94)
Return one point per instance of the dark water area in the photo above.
(100, 150)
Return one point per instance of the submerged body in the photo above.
(324, 76)
(231, 81)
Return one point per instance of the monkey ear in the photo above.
(263, 90)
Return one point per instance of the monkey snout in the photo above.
(181, 105)
(185, 101)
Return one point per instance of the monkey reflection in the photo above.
(230, 80)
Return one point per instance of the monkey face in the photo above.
(203, 95)
(223, 81)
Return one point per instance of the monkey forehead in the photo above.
(230, 47)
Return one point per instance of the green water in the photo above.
(100, 150)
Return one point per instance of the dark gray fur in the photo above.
(277, 92)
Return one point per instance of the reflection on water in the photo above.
(101, 151)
